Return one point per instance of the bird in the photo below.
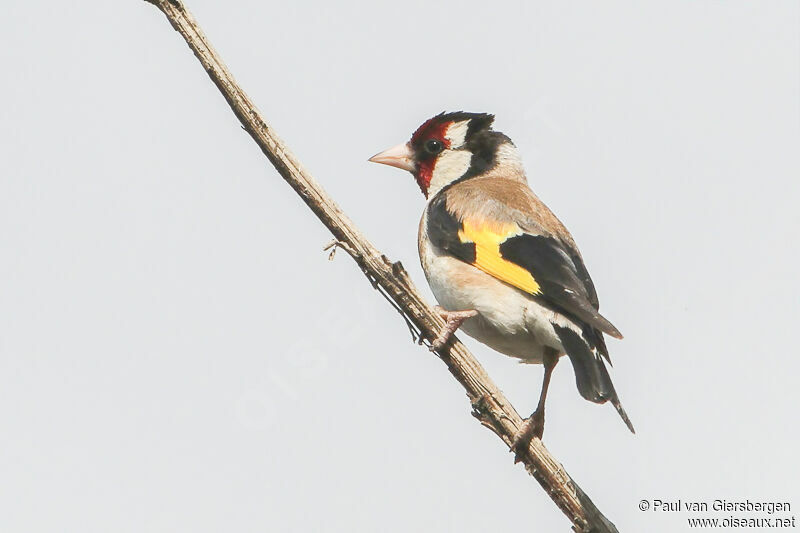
(501, 265)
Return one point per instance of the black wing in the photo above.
(562, 276)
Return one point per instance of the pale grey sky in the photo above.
(177, 354)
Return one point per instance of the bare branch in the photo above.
(489, 405)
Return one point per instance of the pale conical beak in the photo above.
(399, 156)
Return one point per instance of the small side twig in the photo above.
(335, 245)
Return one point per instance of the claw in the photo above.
(453, 321)
(533, 426)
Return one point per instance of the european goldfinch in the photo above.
(501, 265)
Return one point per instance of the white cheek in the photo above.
(457, 133)
(450, 166)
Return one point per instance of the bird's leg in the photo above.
(453, 321)
(533, 426)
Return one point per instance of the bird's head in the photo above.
(451, 147)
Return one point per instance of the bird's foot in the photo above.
(533, 426)
(453, 321)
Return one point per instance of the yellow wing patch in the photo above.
(487, 239)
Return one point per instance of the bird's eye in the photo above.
(433, 146)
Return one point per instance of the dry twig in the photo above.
(489, 405)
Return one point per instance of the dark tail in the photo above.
(591, 375)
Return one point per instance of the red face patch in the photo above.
(432, 130)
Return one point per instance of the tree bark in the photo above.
(489, 405)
